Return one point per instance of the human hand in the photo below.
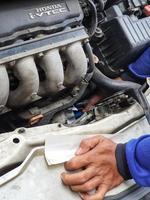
(96, 160)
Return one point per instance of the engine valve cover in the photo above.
(31, 16)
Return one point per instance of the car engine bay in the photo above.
(62, 63)
(55, 56)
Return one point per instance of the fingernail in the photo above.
(79, 151)
(81, 195)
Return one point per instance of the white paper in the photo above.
(59, 149)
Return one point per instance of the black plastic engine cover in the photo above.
(124, 40)
(17, 16)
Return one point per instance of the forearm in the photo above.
(139, 70)
(133, 160)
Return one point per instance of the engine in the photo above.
(38, 62)
(47, 66)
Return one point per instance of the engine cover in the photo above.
(22, 17)
(125, 38)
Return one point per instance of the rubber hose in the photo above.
(103, 81)
(114, 85)
(90, 56)
(94, 21)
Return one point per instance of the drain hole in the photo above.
(16, 140)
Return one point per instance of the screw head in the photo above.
(21, 130)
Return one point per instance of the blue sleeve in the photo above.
(141, 67)
(138, 159)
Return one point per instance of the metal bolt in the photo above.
(21, 130)
(34, 95)
(41, 54)
(12, 63)
(2, 108)
(60, 86)
(75, 91)
(99, 33)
